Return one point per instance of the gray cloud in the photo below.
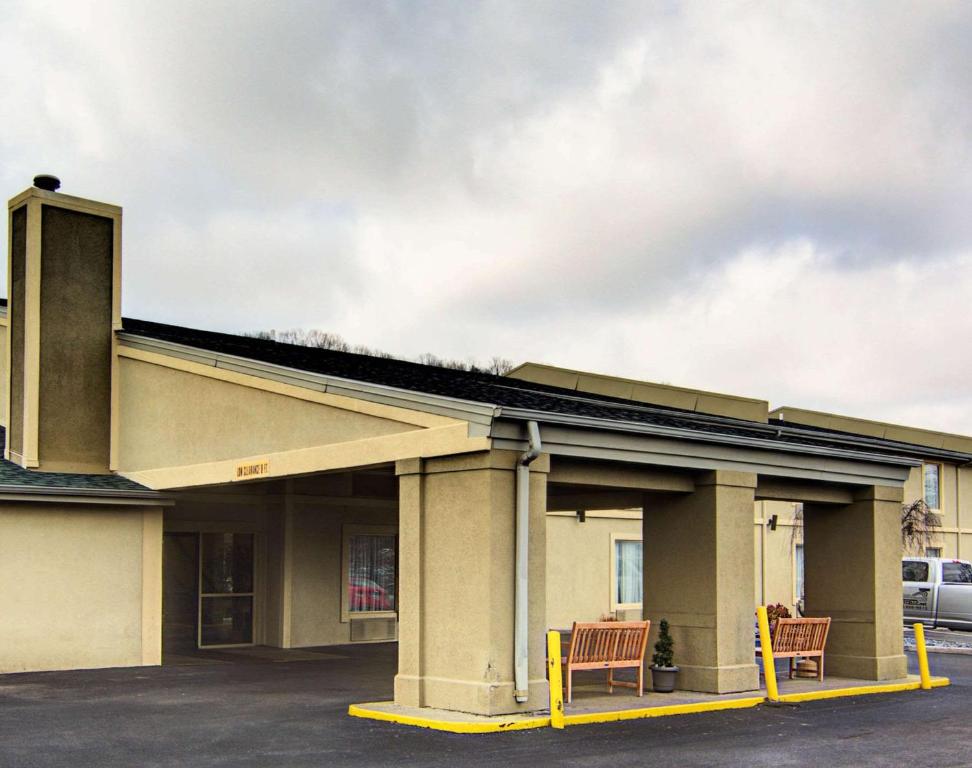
(530, 179)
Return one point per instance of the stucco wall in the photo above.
(317, 569)
(75, 340)
(16, 292)
(579, 560)
(3, 373)
(955, 535)
(242, 511)
(174, 418)
(775, 565)
(298, 537)
(81, 586)
(579, 565)
(456, 621)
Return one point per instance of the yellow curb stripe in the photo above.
(452, 726)
(864, 690)
(672, 709)
(511, 724)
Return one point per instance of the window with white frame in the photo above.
(626, 573)
(798, 571)
(933, 551)
(370, 571)
(932, 483)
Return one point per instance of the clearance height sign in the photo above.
(251, 469)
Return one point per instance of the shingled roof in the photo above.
(15, 477)
(502, 392)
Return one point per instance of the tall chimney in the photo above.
(63, 303)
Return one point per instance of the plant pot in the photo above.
(663, 679)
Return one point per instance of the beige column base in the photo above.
(732, 679)
(465, 696)
(866, 667)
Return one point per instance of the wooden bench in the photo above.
(607, 645)
(805, 638)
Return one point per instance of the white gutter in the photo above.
(521, 617)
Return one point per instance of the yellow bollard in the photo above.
(766, 646)
(922, 657)
(556, 676)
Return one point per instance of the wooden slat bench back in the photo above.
(607, 645)
(805, 637)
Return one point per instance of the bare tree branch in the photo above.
(918, 525)
(313, 337)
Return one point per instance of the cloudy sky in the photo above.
(770, 199)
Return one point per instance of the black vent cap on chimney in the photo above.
(48, 182)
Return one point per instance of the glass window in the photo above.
(798, 568)
(226, 587)
(933, 551)
(932, 485)
(957, 573)
(914, 570)
(227, 563)
(227, 620)
(372, 567)
(628, 580)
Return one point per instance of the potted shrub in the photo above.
(663, 669)
(774, 612)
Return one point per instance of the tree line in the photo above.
(313, 337)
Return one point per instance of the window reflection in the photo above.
(371, 573)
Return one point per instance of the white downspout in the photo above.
(521, 619)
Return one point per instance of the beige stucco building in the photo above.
(165, 489)
(942, 479)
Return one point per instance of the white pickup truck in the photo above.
(937, 592)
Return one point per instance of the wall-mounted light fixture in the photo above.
(774, 519)
(581, 515)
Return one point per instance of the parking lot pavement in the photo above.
(294, 714)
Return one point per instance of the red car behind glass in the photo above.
(367, 595)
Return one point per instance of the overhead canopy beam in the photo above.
(617, 476)
(565, 499)
(782, 489)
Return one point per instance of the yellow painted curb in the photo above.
(671, 709)
(501, 725)
(864, 690)
(452, 726)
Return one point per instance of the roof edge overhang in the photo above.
(147, 497)
(490, 419)
(912, 450)
(582, 437)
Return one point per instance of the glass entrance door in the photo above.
(225, 589)
(180, 592)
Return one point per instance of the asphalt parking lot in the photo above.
(263, 713)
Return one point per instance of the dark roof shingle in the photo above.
(490, 389)
(14, 476)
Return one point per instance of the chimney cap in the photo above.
(47, 181)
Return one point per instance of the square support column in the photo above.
(853, 574)
(457, 528)
(699, 571)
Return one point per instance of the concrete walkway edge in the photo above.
(454, 723)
